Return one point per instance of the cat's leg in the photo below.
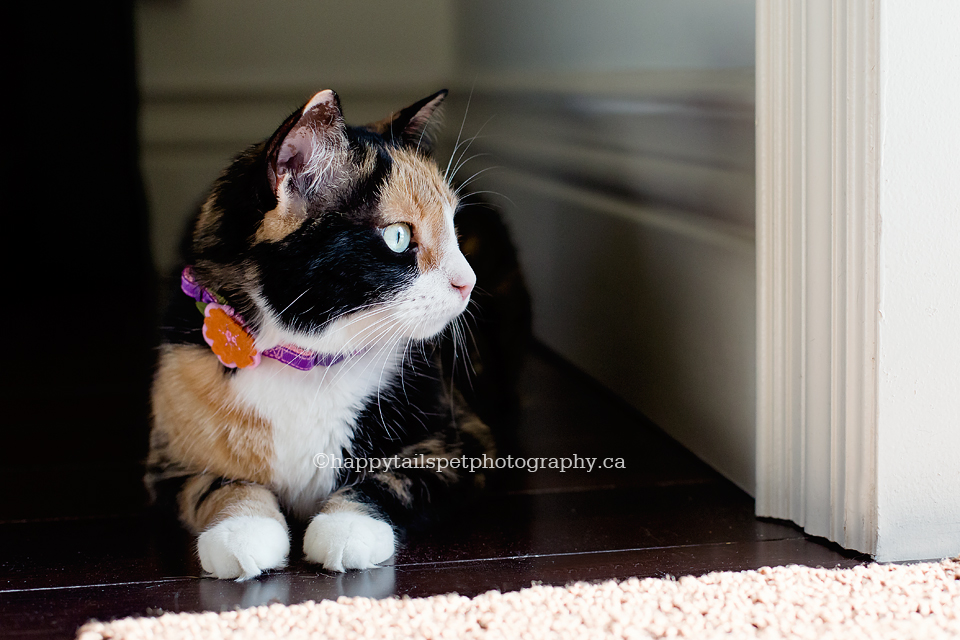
(242, 532)
(355, 526)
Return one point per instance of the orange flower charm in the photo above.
(227, 337)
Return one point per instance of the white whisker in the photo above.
(459, 134)
(495, 193)
(294, 301)
(474, 177)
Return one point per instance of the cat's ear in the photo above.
(311, 147)
(413, 127)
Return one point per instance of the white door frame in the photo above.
(817, 241)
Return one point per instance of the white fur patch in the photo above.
(430, 304)
(312, 412)
(346, 540)
(243, 547)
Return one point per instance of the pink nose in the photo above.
(464, 288)
(463, 285)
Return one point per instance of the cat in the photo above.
(305, 346)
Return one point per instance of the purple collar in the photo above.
(227, 334)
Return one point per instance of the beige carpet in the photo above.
(902, 602)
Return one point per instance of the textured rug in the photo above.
(903, 602)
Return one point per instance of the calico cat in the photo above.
(320, 271)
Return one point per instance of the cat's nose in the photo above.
(464, 289)
(464, 283)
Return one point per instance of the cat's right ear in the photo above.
(414, 126)
(310, 149)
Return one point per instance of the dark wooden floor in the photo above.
(103, 557)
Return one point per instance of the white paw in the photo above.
(243, 547)
(341, 541)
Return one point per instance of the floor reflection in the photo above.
(291, 588)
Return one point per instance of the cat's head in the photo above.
(334, 237)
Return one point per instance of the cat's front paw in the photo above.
(243, 547)
(341, 541)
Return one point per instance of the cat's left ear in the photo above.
(414, 126)
(311, 147)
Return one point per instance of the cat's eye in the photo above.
(397, 236)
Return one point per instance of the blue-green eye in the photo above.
(397, 236)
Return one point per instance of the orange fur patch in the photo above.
(416, 194)
(199, 416)
(278, 224)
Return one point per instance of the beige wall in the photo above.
(604, 35)
(218, 75)
(624, 136)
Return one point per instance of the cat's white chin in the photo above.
(428, 331)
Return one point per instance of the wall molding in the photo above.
(692, 154)
(725, 193)
(724, 85)
(687, 224)
(187, 117)
(817, 241)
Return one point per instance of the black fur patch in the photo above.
(329, 267)
(403, 413)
